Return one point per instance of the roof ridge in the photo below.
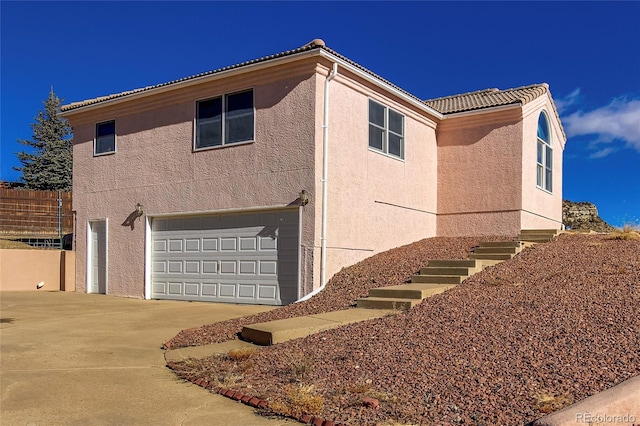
(490, 90)
(464, 94)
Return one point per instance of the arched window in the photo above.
(544, 177)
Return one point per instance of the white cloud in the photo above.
(563, 103)
(617, 122)
(602, 153)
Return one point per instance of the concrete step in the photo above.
(500, 244)
(496, 250)
(483, 263)
(538, 235)
(491, 256)
(539, 231)
(409, 291)
(397, 304)
(438, 279)
(270, 333)
(441, 270)
(453, 263)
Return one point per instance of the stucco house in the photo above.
(255, 183)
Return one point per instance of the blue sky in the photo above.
(589, 53)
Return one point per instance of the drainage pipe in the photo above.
(325, 189)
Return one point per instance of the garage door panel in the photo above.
(209, 289)
(160, 246)
(209, 267)
(267, 243)
(248, 267)
(159, 267)
(209, 244)
(191, 267)
(248, 244)
(228, 244)
(227, 267)
(241, 258)
(175, 288)
(246, 291)
(192, 244)
(268, 267)
(192, 289)
(267, 292)
(175, 245)
(227, 289)
(159, 287)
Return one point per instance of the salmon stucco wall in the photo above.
(375, 202)
(155, 165)
(541, 209)
(479, 173)
(55, 270)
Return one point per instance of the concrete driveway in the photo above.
(83, 359)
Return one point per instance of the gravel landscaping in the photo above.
(554, 325)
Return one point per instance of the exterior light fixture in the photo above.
(139, 209)
(304, 197)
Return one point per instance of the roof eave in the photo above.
(190, 82)
(478, 111)
(254, 67)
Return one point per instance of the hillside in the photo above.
(556, 324)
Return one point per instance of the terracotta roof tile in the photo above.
(480, 99)
(314, 44)
(487, 98)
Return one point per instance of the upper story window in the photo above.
(224, 120)
(544, 176)
(386, 130)
(105, 142)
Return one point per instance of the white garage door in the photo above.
(235, 258)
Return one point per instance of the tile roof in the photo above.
(477, 100)
(314, 44)
(487, 98)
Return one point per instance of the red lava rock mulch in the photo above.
(392, 267)
(554, 325)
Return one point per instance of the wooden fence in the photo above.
(35, 214)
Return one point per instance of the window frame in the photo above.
(544, 156)
(96, 136)
(224, 99)
(386, 131)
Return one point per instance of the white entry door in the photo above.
(98, 257)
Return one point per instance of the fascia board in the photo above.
(190, 82)
(482, 111)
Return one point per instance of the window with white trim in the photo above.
(386, 130)
(105, 142)
(224, 120)
(544, 167)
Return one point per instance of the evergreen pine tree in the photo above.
(48, 166)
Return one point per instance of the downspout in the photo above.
(325, 190)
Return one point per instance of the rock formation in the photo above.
(583, 216)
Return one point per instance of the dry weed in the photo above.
(298, 400)
(627, 232)
(548, 402)
(242, 354)
(300, 365)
